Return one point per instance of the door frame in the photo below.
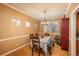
(73, 32)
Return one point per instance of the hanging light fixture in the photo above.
(45, 16)
(45, 20)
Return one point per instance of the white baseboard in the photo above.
(14, 49)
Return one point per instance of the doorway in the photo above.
(73, 32)
(77, 34)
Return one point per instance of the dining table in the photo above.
(45, 42)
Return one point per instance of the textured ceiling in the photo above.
(36, 10)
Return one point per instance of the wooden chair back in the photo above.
(35, 43)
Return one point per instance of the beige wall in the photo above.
(72, 39)
(71, 9)
(8, 31)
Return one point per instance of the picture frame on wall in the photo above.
(51, 27)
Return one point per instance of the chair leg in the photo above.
(50, 50)
(44, 54)
(32, 51)
(39, 52)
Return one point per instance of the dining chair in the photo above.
(36, 35)
(30, 40)
(30, 36)
(47, 34)
(35, 42)
(36, 45)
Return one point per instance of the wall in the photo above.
(56, 20)
(72, 33)
(71, 9)
(7, 31)
(52, 34)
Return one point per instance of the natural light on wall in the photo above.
(15, 22)
(27, 24)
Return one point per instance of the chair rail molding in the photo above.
(5, 39)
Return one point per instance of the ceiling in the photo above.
(36, 10)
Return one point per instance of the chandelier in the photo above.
(44, 22)
(45, 17)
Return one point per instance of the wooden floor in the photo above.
(26, 51)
